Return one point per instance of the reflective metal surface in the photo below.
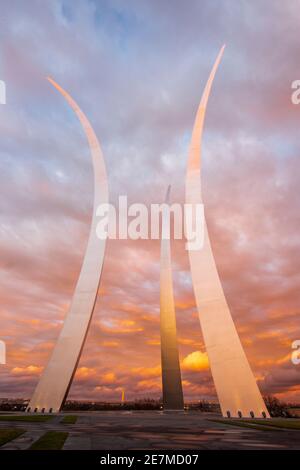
(171, 377)
(56, 379)
(234, 381)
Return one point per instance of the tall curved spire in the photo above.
(57, 377)
(235, 384)
(170, 366)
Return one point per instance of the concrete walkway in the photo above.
(153, 430)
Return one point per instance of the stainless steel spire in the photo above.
(57, 377)
(235, 384)
(171, 377)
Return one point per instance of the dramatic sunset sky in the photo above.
(137, 68)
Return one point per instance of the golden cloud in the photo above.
(110, 344)
(85, 372)
(108, 378)
(147, 385)
(153, 342)
(196, 360)
(147, 371)
(29, 370)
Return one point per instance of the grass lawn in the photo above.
(27, 418)
(9, 434)
(51, 440)
(245, 424)
(277, 423)
(69, 419)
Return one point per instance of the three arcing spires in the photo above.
(235, 384)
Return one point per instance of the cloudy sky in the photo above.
(137, 68)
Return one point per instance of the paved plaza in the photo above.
(152, 430)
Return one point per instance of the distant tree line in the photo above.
(276, 407)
